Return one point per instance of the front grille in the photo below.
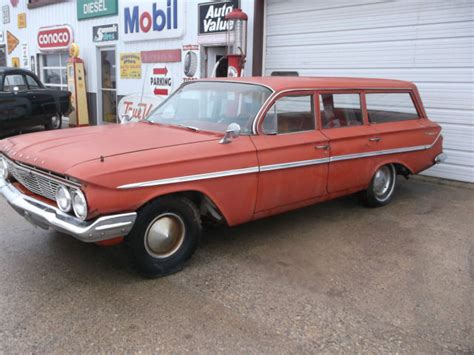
(34, 182)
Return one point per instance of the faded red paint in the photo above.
(143, 152)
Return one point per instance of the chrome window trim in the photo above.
(276, 93)
(272, 167)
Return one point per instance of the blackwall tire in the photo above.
(165, 236)
(382, 187)
(55, 122)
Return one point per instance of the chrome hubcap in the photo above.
(382, 181)
(55, 121)
(165, 235)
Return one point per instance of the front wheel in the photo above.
(381, 188)
(55, 122)
(165, 235)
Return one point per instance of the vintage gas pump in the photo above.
(236, 41)
(76, 84)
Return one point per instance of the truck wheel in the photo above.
(381, 188)
(55, 122)
(165, 235)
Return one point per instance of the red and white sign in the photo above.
(160, 82)
(55, 38)
(137, 107)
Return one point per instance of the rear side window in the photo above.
(290, 114)
(340, 110)
(390, 107)
(14, 80)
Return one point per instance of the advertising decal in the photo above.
(25, 56)
(5, 14)
(55, 38)
(130, 66)
(105, 33)
(15, 62)
(147, 20)
(212, 16)
(161, 56)
(12, 42)
(190, 62)
(96, 8)
(22, 20)
(161, 82)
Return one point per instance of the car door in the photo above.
(19, 109)
(292, 153)
(43, 100)
(351, 140)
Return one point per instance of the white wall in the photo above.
(429, 42)
(65, 13)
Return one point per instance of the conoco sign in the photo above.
(55, 38)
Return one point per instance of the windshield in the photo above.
(212, 106)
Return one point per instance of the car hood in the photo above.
(58, 151)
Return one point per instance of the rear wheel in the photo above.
(381, 188)
(165, 235)
(55, 122)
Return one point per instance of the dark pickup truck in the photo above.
(25, 102)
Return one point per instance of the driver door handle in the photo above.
(324, 146)
(375, 139)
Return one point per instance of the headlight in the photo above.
(79, 204)
(3, 168)
(63, 199)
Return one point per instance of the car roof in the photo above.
(8, 69)
(279, 83)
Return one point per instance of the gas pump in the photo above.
(236, 38)
(76, 84)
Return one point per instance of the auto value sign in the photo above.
(96, 8)
(212, 16)
(146, 20)
(105, 33)
(55, 38)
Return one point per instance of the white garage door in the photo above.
(429, 42)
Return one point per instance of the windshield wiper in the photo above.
(192, 128)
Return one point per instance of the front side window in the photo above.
(290, 114)
(340, 110)
(212, 106)
(14, 80)
(390, 107)
(32, 83)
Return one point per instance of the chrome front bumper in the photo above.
(46, 216)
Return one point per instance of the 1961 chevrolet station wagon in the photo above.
(224, 150)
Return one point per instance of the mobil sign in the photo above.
(146, 20)
(54, 38)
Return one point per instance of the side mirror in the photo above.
(232, 131)
(16, 89)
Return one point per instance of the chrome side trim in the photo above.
(295, 164)
(191, 178)
(272, 167)
(46, 216)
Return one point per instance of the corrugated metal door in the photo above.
(428, 42)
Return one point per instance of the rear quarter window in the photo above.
(390, 107)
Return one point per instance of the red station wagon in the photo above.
(225, 150)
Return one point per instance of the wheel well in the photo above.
(207, 208)
(402, 170)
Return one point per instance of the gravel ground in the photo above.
(335, 277)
